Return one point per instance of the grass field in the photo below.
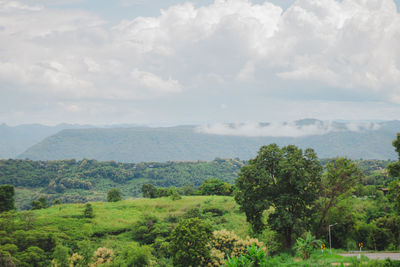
(113, 223)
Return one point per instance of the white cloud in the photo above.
(320, 49)
(285, 129)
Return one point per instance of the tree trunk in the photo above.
(288, 237)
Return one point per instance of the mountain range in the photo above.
(188, 143)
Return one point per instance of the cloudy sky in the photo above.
(168, 62)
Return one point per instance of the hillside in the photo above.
(138, 144)
(14, 140)
(141, 227)
(89, 180)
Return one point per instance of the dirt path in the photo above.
(374, 256)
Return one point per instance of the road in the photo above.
(374, 256)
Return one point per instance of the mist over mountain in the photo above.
(356, 140)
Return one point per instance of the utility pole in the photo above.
(330, 242)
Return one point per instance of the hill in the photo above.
(89, 180)
(142, 228)
(14, 140)
(138, 144)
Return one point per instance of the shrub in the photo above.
(215, 187)
(175, 196)
(88, 212)
(41, 203)
(215, 212)
(227, 244)
(305, 245)
(134, 255)
(255, 257)
(61, 257)
(189, 243)
(114, 195)
(149, 191)
(101, 256)
(148, 228)
(192, 213)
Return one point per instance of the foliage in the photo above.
(340, 177)
(41, 203)
(394, 194)
(215, 187)
(7, 201)
(286, 179)
(148, 228)
(61, 257)
(306, 245)
(255, 257)
(149, 190)
(189, 243)
(394, 168)
(6, 259)
(101, 256)
(134, 255)
(90, 180)
(114, 195)
(88, 212)
(227, 244)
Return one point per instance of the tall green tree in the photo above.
(394, 171)
(7, 201)
(286, 179)
(340, 177)
(394, 168)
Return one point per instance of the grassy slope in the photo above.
(110, 228)
(113, 220)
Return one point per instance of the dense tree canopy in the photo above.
(7, 201)
(215, 187)
(286, 179)
(340, 177)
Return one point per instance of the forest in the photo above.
(273, 210)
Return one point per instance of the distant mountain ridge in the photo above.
(187, 143)
(14, 140)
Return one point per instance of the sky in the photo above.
(172, 62)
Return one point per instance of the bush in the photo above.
(41, 203)
(88, 212)
(148, 228)
(227, 244)
(189, 243)
(149, 191)
(305, 245)
(192, 213)
(215, 212)
(215, 187)
(114, 195)
(61, 257)
(255, 256)
(134, 255)
(101, 256)
(175, 196)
